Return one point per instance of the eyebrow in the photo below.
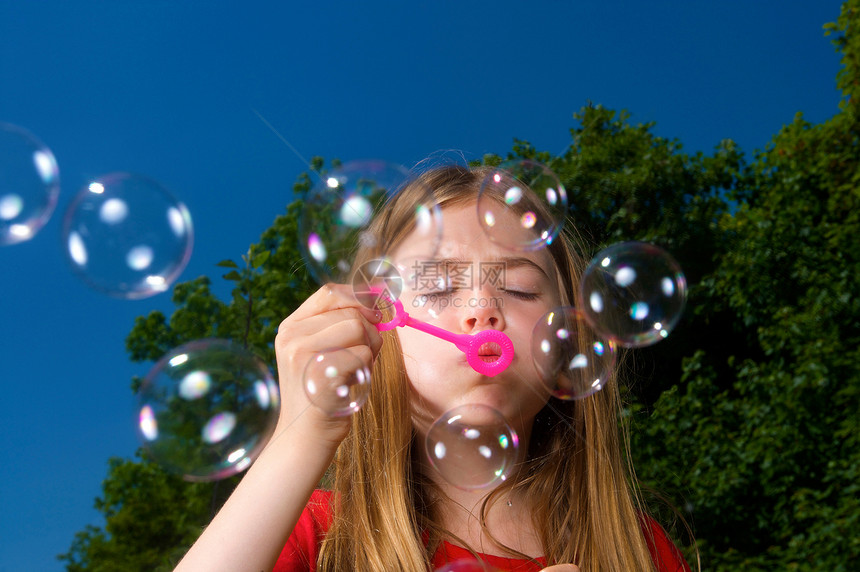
(508, 261)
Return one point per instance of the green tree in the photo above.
(761, 436)
(151, 517)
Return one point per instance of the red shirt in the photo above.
(302, 548)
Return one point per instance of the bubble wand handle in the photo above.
(462, 341)
(470, 344)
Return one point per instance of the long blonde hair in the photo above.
(577, 472)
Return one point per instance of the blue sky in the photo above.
(169, 89)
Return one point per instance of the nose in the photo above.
(482, 311)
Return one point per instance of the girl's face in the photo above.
(472, 284)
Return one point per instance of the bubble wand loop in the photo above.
(470, 344)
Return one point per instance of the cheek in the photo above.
(419, 351)
(521, 333)
(409, 345)
(436, 309)
(425, 368)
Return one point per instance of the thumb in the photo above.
(562, 568)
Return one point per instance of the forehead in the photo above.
(464, 238)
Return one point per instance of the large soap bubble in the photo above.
(522, 205)
(206, 409)
(127, 236)
(29, 184)
(472, 447)
(338, 211)
(633, 293)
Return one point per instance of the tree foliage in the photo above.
(151, 518)
(761, 435)
(746, 417)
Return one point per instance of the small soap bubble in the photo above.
(377, 283)
(573, 361)
(522, 205)
(29, 184)
(338, 211)
(127, 236)
(472, 447)
(337, 382)
(633, 293)
(206, 409)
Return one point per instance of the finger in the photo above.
(338, 328)
(292, 328)
(333, 297)
(297, 352)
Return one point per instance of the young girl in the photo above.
(571, 502)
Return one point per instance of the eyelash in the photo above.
(528, 296)
(522, 295)
(447, 292)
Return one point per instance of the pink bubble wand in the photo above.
(470, 344)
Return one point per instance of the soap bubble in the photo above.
(206, 409)
(338, 211)
(522, 205)
(571, 359)
(337, 382)
(634, 293)
(377, 283)
(29, 184)
(127, 236)
(472, 447)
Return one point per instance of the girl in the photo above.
(571, 503)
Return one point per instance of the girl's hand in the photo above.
(250, 530)
(561, 568)
(330, 318)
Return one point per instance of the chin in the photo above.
(495, 395)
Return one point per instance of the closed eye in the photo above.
(522, 295)
(447, 292)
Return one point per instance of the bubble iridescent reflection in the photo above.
(206, 409)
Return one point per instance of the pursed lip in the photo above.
(489, 352)
(490, 349)
(489, 358)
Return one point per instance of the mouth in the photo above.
(490, 352)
